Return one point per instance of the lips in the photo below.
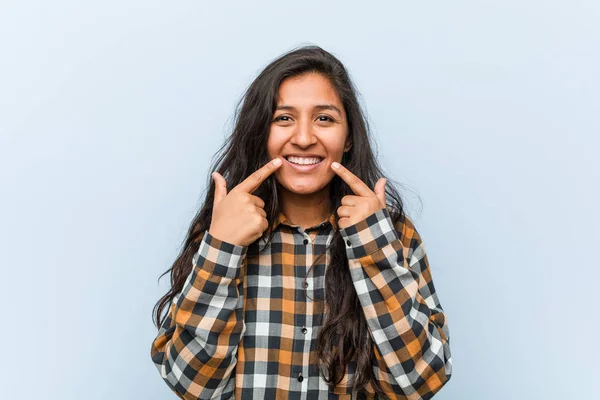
(304, 155)
(305, 167)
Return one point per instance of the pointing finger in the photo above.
(252, 182)
(357, 186)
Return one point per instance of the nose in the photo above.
(303, 134)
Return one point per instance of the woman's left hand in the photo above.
(356, 208)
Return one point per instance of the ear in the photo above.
(348, 145)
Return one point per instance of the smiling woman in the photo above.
(301, 276)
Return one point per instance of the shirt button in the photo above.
(300, 377)
(348, 242)
(304, 285)
(304, 330)
(305, 241)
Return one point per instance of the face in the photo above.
(309, 122)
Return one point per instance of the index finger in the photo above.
(253, 181)
(358, 187)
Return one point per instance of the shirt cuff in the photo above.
(219, 257)
(369, 235)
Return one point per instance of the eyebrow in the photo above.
(317, 107)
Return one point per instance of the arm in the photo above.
(408, 326)
(195, 350)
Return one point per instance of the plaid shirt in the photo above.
(246, 327)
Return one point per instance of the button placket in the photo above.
(306, 241)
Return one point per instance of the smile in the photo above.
(303, 167)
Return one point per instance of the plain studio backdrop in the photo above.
(487, 112)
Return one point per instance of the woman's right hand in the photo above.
(238, 217)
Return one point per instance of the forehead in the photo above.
(307, 90)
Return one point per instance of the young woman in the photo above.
(301, 277)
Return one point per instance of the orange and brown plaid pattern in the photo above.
(246, 327)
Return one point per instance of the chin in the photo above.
(303, 189)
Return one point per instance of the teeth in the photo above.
(304, 160)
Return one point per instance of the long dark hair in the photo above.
(344, 335)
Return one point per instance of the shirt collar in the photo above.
(282, 219)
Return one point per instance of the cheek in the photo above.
(335, 148)
(274, 143)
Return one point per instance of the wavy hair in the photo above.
(344, 336)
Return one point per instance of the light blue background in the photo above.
(110, 112)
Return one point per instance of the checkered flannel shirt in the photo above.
(246, 327)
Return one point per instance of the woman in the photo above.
(297, 280)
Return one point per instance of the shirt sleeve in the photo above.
(406, 321)
(195, 350)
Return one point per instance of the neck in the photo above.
(305, 210)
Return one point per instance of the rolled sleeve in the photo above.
(220, 257)
(369, 235)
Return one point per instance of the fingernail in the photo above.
(277, 161)
(335, 165)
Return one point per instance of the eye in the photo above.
(280, 118)
(328, 118)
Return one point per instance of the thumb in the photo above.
(220, 187)
(380, 191)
